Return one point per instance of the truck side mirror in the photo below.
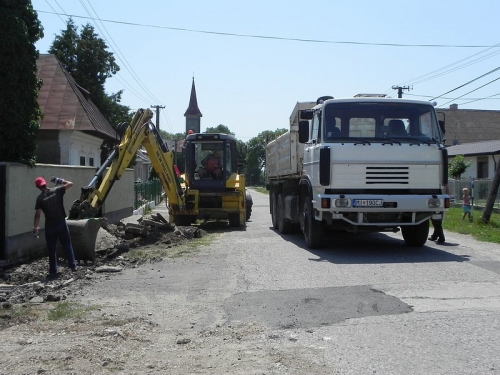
(303, 131)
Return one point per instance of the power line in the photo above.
(465, 84)
(443, 97)
(431, 75)
(486, 84)
(487, 97)
(277, 37)
(118, 53)
(54, 9)
(120, 56)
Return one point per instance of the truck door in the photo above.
(311, 151)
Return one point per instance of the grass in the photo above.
(67, 310)
(483, 232)
(18, 314)
(176, 250)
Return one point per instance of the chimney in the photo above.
(453, 107)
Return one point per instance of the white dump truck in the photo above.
(363, 164)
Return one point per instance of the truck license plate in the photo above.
(367, 202)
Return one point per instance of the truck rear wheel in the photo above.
(313, 230)
(274, 209)
(415, 235)
(284, 226)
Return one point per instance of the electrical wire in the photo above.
(486, 84)
(432, 75)
(125, 61)
(280, 38)
(442, 97)
(465, 84)
(119, 54)
(487, 97)
(127, 66)
(47, 1)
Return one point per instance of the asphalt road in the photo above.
(254, 301)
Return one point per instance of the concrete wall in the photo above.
(16, 218)
(469, 125)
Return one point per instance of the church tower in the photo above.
(193, 114)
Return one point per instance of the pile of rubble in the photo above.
(26, 281)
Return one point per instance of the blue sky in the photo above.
(253, 60)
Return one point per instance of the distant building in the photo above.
(483, 158)
(193, 114)
(470, 125)
(72, 130)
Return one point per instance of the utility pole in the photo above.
(400, 90)
(158, 114)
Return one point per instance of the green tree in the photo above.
(86, 57)
(256, 155)
(457, 167)
(219, 129)
(64, 47)
(20, 115)
(116, 112)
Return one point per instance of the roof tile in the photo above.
(63, 104)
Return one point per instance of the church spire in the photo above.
(193, 114)
(193, 109)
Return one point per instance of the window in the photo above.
(315, 126)
(376, 121)
(482, 167)
(82, 160)
(91, 161)
(362, 127)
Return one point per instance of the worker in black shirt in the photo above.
(50, 202)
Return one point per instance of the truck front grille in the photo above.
(387, 175)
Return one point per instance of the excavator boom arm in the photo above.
(140, 132)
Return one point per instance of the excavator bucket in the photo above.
(83, 237)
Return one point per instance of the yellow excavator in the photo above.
(194, 195)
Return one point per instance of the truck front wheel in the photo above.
(313, 230)
(284, 226)
(415, 235)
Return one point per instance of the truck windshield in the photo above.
(383, 122)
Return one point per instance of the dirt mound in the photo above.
(27, 281)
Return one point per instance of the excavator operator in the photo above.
(211, 166)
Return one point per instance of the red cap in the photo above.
(39, 182)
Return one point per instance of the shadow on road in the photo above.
(218, 226)
(372, 248)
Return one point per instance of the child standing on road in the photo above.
(466, 204)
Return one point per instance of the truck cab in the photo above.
(363, 164)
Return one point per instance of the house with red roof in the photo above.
(72, 130)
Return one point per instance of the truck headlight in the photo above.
(434, 203)
(341, 202)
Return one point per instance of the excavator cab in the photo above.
(212, 179)
(211, 160)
